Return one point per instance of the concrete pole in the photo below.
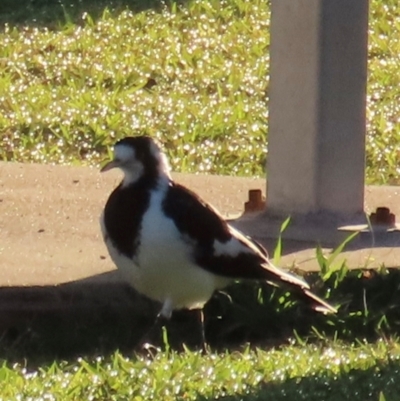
(316, 143)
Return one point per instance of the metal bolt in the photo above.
(383, 216)
(256, 201)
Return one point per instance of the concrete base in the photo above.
(324, 230)
(369, 249)
(373, 247)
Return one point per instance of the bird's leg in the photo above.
(161, 320)
(204, 345)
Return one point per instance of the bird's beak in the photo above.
(108, 166)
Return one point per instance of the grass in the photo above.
(330, 372)
(74, 76)
(182, 74)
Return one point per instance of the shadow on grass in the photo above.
(79, 318)
(355, 384)
(101, 315)
(52, 13)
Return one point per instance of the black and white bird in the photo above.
(171, 245)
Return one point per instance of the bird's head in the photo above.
(138, 157)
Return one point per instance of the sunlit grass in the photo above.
(334, 372)
(383, 111)
(193, 74)
(188, 75)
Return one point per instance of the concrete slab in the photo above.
(49, 231)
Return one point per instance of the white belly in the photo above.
(164, 270)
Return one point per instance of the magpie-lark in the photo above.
(171, 245)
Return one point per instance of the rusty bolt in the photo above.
(256, 201)
(382, 216)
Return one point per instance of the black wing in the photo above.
(219, 248)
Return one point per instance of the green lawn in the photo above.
(192, 73)
(330, 372)
(75, 76)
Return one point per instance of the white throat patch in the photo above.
(130, 166)
(124, 153)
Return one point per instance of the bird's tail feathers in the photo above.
(319, 304)
(281, 275)
(300, 288)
